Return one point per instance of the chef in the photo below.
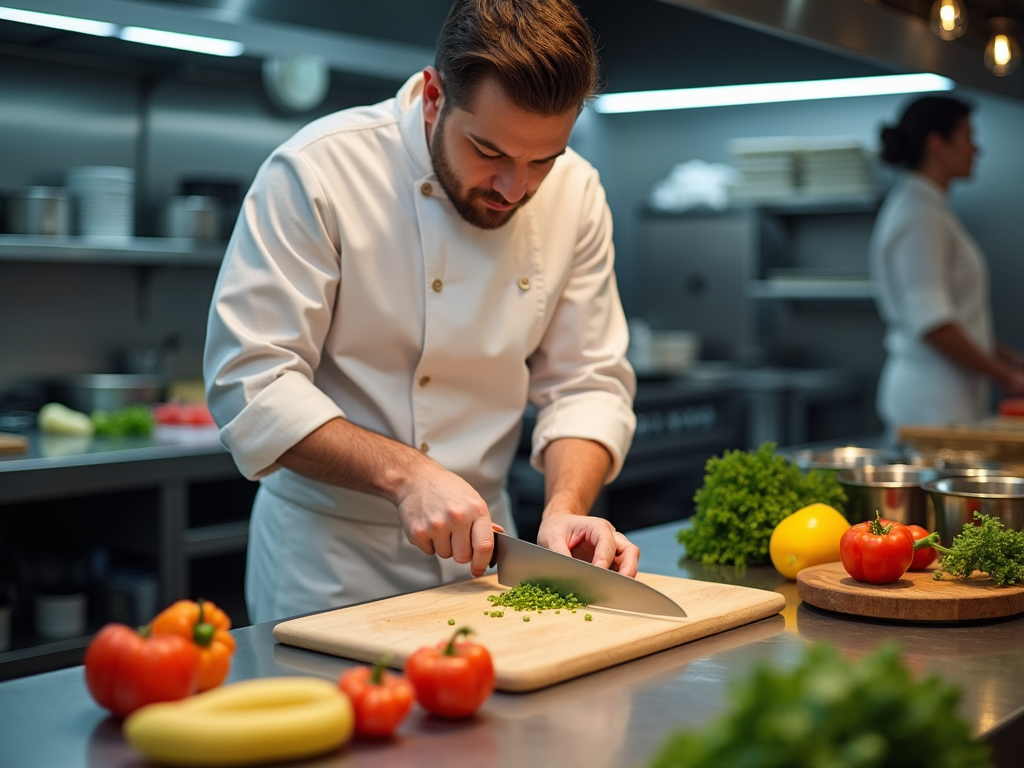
(403, 278)
(931, 279)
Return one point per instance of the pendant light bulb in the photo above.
(1002, 54)
(948, 20)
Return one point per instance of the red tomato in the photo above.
(878, 552)
(926, 555)
(380, 699)
(125, 669)
(451, 679)
(182, 413)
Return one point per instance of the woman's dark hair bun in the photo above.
(894, 145)
(904, 143)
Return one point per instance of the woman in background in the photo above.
(931, 281)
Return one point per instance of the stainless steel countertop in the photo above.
(617, 717)
(62, 465)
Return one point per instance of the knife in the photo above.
(520, 561)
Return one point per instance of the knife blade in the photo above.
(520, 561)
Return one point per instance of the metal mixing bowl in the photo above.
(958, 498)
(894, 490)
(840, 458)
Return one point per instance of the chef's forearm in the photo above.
(952, 342)
(346, 455)
(574, 472)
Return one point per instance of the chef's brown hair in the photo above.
(541, 52)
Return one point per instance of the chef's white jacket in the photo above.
(928, 271)
(351, 288)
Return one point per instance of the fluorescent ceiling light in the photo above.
(69, 23)
(197, 43)
(767, 93)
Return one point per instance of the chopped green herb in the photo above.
(451, 621)
(526, 618)
(557, 611)
(588, 617)
(532, 597)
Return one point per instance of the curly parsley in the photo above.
(986, 546)
(745, 495)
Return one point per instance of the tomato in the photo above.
(195, 414)
(809, 536)
(451, 679)
(878, 551)
(207, 626)
(380, 699)
(126, 669)
(926, 555)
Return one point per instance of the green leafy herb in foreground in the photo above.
(745, 495)
(134, 420)
(833, 712)
(985, 546)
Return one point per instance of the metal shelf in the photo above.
(798, 205)
(812, 289)
(136, 251)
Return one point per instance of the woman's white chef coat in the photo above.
(351, 288)
(928, 272)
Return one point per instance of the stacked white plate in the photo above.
(105, 200)
(768, 166)
(836, 166)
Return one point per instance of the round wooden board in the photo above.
(915, 597)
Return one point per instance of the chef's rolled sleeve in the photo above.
(579, 377)
(280, 415)
(920, 276)
(272, 309)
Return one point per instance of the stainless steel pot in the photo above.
(108, 391)
(196, 217)
(846, 457)
(893, 490)
(37, 211)
(958, 498)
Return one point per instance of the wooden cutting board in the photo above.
(13, 443)
(915, 597)
(548, 649)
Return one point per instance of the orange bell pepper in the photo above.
(207, 626)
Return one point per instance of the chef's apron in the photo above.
(305, 558)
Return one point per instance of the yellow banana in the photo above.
(255, 721)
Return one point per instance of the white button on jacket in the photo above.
(350, 278)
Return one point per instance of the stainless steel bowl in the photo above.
(108, 391)
(845, 457)
(958, 498)
(894, 490)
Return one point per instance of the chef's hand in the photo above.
(442, 514)
(589, 538)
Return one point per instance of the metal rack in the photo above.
(136, 251)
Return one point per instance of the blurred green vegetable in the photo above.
(835, 713)
(745, 495)
(133, 420)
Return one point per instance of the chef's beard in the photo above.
(477, 215)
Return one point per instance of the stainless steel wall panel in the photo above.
(55, 117)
